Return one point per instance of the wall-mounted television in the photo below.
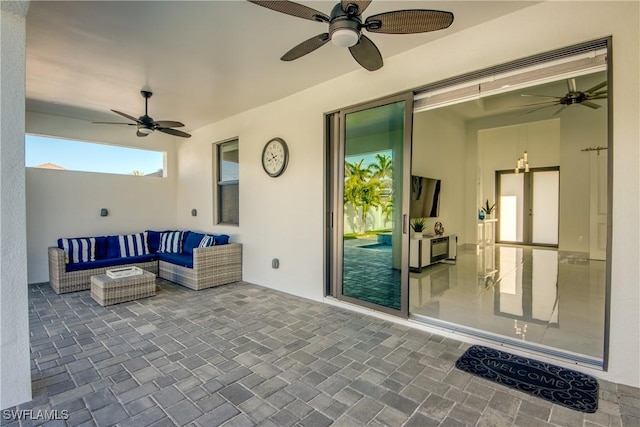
(425, 197)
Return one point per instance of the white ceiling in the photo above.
(203, 60)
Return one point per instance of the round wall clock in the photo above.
(275, 157)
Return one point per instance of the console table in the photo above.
(431, 249)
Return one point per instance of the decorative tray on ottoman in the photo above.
(116, 273)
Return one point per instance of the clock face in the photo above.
(275, 157)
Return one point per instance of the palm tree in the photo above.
(384, 167)
(370, 197)
(361, 189)
(383, 170)
(356, 177)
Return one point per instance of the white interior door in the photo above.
(545, 207)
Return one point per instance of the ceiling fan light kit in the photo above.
(345, 27)
(344, 37)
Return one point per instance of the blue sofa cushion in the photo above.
(183, 260)
(133, 244)
(101, 247)
(221, 239)
(192, 241)
(153, 240)
(113, 247)
(110, 262)
(79, 249)
(207, 241)
(171, 242)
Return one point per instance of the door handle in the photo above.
(404, 224)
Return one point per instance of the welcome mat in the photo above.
(562, 386)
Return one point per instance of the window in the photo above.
(227, 182)
(62, 154)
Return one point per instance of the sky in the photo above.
(90, 157)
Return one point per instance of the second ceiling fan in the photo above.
(346, 25)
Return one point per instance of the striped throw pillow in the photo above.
(79, 250)
(207, 241)
(171, 242)
(133, 244)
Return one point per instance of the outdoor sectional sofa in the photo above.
(192, 259)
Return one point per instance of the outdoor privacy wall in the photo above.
(68, 203)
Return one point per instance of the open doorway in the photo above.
(524, 191)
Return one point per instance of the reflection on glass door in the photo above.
(370, 266)
(528, 208)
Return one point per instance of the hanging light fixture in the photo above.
(522, 163)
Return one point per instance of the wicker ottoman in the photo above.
(108, 291)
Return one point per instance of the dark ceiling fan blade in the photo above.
(590, 104)
(293, 9)
(533, 104)
(538, 109)
(306, 47)
(598, 93)
(174, 132)
(140, 134)
(409, 21)
(571, 85)
(354, 7)
(596, 87)
(115, 123)
(542, 96)
(168, 124)
(366, 54)
(127, 116)
(559, 110)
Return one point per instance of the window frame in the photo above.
(218, 183)
(156, 174)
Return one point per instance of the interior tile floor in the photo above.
(537, 295)
(243, 355)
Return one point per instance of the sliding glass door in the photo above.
(368, 208)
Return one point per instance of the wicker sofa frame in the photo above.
(212, 266)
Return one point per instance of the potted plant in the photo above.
(417, 225)
(488, 210)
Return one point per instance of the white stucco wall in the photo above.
(283, 217)
(15, 369)
(67, 203)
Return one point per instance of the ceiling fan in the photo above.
(345, 27)
(573, 97)
(146, 125)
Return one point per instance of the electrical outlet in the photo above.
(579, 238)
(275, 263)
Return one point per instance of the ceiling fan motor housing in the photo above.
(344, 28)
(573, 98)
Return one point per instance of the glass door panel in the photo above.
(371, 206)
(545, 207)
(511, 207)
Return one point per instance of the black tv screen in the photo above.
(425, 197)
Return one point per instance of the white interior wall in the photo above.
(68, 203)
(578, 128)
(283, 217)
(439, 146)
